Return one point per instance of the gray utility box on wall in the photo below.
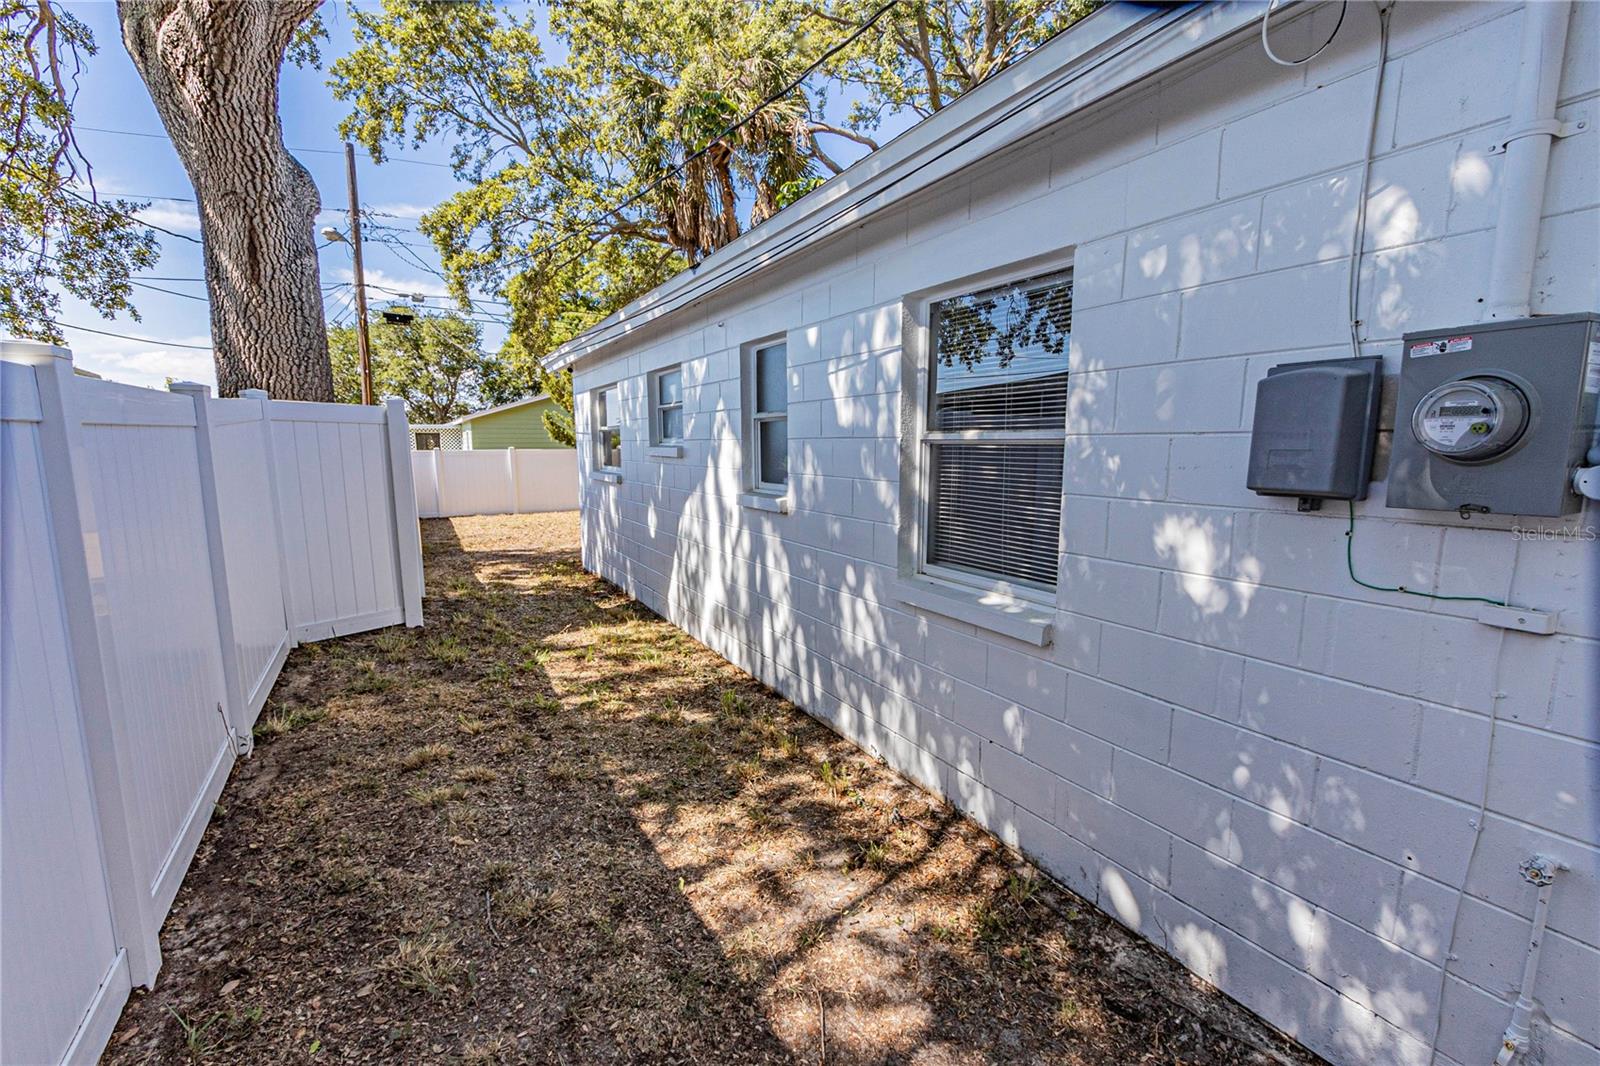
(1315, 429)
(1494, 417)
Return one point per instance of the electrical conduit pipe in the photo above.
(1522, 176)
(1539, 871)
(1533, 130)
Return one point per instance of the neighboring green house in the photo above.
(519, 424)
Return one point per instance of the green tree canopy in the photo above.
(575, 207)
(594, 180)
(54, 228)
(435, 363)
(926, 53)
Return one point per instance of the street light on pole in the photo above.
(363, 344)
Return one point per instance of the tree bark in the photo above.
(212, 70)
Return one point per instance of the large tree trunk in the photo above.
(212, 69)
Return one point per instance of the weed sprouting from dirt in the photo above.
(198, 1039)
(835, 779)
(341, 877)
(428, 964)
(448, 650)
(369, 681)
(496, 872)
(438, 796)
(426, 755)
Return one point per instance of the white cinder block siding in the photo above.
(1266, 769)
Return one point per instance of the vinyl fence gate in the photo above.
(161, 554)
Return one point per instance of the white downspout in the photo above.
(1539, 871)
(1522, 176)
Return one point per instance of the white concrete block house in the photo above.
(1089, 635)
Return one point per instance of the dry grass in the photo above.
(428, 964)
(417, 758)
(549, 827)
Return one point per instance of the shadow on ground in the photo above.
(550, 827)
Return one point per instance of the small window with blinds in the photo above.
(666, 398)
(608, 428)
(996, 430)
(766, 394)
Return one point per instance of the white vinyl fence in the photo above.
(162, 552)
(509, 481)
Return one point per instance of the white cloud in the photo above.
(146, 363)
(400, 210)
(388, 285)
(179, 217)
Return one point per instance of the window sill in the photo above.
(610, 477)
(1021, 620)
(761, 501)
(665, 451)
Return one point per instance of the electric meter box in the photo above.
(1315, 429)
(1494, 417)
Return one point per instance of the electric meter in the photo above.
(1471, 419)
(1494, 417)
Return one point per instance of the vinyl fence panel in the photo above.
(250, 535)
(509, 481)
(341, 525)
(53, 892)
(149, 527)
(162, 552)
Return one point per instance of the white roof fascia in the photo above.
(1111, 49)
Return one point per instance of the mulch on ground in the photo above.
(550, 827)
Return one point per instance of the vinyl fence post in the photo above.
(403, 500)
(237, 713)
(438, 482)
(75, 532)
(285, 578)
(511, 476)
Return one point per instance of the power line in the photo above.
(428, 296)
(133, 218)
(169, 292)
(317, 151)
(153, 196)
(142, 340)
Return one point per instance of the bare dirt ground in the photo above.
(549, 827)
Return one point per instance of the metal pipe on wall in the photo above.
(1527, 157)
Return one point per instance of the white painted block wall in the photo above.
(1271, 772)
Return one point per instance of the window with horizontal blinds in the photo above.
(995, 509)
(997, 411)
(667, 395)
(607, 431)
(767, 393)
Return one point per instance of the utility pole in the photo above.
(362, 342)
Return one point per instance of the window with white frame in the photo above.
(994, 431)
(766, 375)
(666, 405)
(607, 431)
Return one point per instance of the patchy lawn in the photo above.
(550, 827)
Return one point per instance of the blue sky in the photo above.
(120, 132)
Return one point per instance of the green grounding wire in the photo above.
(1350, 563)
